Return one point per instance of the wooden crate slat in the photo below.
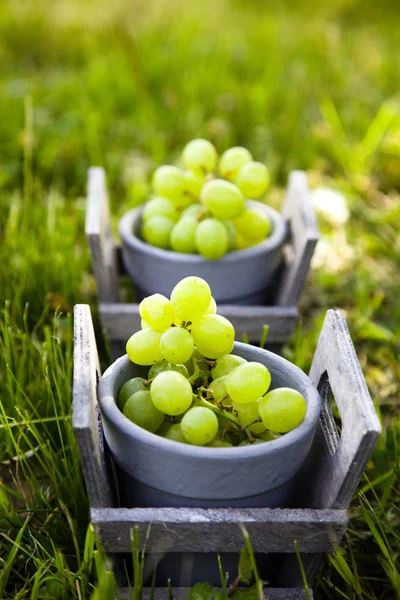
(85, 412)
(121, 320)
(298, 212)
(181, 593)
(218, 530)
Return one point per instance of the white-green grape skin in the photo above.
(217, 388)
(166, 366)
(171, 393)
(212, 307)
(232, 160)
(194, 210)
(253, 179)
(177, 345)
(193, 184)
(140, 409)
(226, 364)
(230, 227)
(223, 199)
(157, 231)
(191, 298)
(214, 336)
(143, 347)
(199, 426)
(183, 235)
(158, 206)
(169, 182)
(282, 409)
(248, 413)
(253, 224)
(157, 311)
(248, 382)
(212, 239)
(200, 156)
(136, 384)
(219, 444)
(175, 434)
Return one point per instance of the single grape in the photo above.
(157, 311)
(175, 434)
(170, 182)
(253, 179)
(226, 364)
(171, 393)
(162, 431)
(230, 227)
(160, 206)
(194, 210)
(200, 156)
(140, 410)
(183, 235)
(269, 436)
(212, 307)
(212, 239)
(219, 444)
(214, 336)
(166, 366)
(144, 325)
(282, 410)
(248, 382)
(137, 384)
(248, 413)
(199, 426)
(190, 298)
(218, 389)
(143, 347)
(157, 231)
(193, 184)
(242, 243)
(177, 345)
(253, 224)
(232, 160)
(223, 199)
(249, 443)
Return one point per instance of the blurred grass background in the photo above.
(125, 85)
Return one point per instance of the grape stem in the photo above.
(200, 401)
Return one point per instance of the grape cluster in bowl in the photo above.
(193, 212)
(197, 392)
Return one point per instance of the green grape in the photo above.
(248, 413)
(214, 336)
(197, 362)
(170, 182)
(143, 347)
(253, 224)
(226, 364)
(269, 436)
(212, 307)
(248, 382)
(218, 389)
(253, 179)
(160, 206)
(194, 210)
(162, 431)
(190, 298)
(232, 160)
(231, 234)
(242, 243)
(223, 199)
(199, 426)
(212, 239)
(249, 443)
(140, 410)
(177, 345)
(219, 444)
(183, 235)
(144, 325)
(282, 410)
(137, 384)
(171, 393)
(166, 366)
(175, 434)
(193, 184)
(157, 311)
(200, 156)
(157, 231)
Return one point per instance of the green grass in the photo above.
(125, 85)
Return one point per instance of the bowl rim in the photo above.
(110, 409)
(277, 238)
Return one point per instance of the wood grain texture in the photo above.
(121, 320)
(181, 593)
(85, 413)
(218, 530)
(297, 210)
(98, 233)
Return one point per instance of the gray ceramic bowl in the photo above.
(155, 471)
(240, 277)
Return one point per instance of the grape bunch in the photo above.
(193, 212)
(197, 392)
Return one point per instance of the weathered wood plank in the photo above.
(297, 210)
(181, 593)
(218, 530)
(98, 233)
(85, 413)
(121, 320)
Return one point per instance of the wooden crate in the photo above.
(325, 486)
(119, 320)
